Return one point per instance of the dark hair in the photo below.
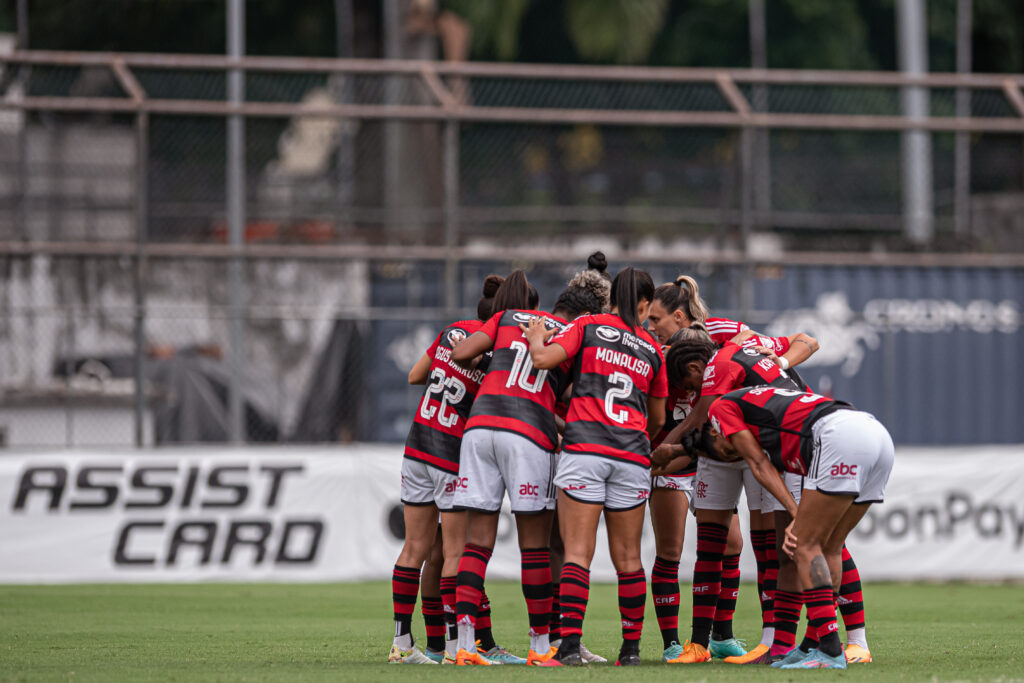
(694, 331)
(689, 349)
(534, 298)
(598, 262)
(596, 283)
(629, 288)
(486, 303)
(683, 295)
(514, 293)
(577, 301)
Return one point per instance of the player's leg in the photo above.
(430, 600)
(420, 529)
(851, 607)
(627, 492)
(669, 507)
(453, 539)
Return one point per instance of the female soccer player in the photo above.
(845, 457)
(678, 305)
(696, 365)
(508, 446)
(618, 401)
(430, 472)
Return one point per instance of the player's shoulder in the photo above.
(455, 332)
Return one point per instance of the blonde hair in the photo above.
(683, 295)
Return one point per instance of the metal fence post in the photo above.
(962, 142)
(236, 220)
(141, 270)
(451, 216)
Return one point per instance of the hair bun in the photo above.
(597, 261)
(491, 284)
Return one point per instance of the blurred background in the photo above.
(243, 222)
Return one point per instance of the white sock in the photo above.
(767, 635)
(467, 636)
(452, 647)
(404, 641)
(857, 636)
(539, 644)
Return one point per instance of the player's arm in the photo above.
(800, 347)
(545, 356)
(677, 463)
(469, 348)
(655, 415)
(762, 469)
(671, 447)
(420, 371)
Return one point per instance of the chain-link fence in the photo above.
(379, 194)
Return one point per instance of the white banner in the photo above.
(333, 514)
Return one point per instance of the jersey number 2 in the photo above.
(451, 389)
(622, 387)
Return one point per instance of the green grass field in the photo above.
(255, 632)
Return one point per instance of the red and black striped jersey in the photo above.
(515, 396)
(779, 418)
(436, 433)
(723, 329)
(734, 366)
(679, 404)
(613, 369)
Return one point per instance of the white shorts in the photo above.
(853, 455)
(684, 484)
(426, 485)
(616, 484)
(717, 485)
(492, 462)
(795, 484)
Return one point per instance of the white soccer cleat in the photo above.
(410, 656)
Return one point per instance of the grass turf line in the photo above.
(332, 632)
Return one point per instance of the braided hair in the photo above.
(693, 347)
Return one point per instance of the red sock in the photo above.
(405, 585)
(484, 636)
(469, 583)
(771, 579)
(433, 620)
(821, 614)
(536, 570)
(851, 596)
(632, 600)
(665, 590)
(575, 591)
(556, 613)
(707, 579)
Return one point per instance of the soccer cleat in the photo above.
(672, 651)
(466, 658)
(730, 647)
(571, 658)
(759, 655)
(628, 659)
(435, 656)
(448, 659)
(793, 656)
(410, 656)
(533, 659)
(693, 653)
(589, 657)
(499, 655)
(817, 659)
(855, 654)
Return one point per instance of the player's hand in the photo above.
(766, 351)
(536, 330)
(662, 455)
(789, 544)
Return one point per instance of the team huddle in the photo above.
(584, 411)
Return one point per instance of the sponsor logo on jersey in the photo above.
(521, 317)
(716, 424)
(609, 334)
(456, 483)
(575, 487)
(455, 336)
(709, 372)
(751, 351)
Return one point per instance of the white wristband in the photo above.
(783, 362)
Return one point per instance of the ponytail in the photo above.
(486, 304)
(514, 293)
(683, 295)
(629, 288)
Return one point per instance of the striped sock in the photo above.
(665, 591)
(632, 600)
(821, 614)
(483, 624)
(536, 572)
(575, 585)
(851, 601)
(405, 584)
(433, 620)
(787, 614)
(448, 601)
(556, 613)
(726, 607)
(469, 583)
(707, 579)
